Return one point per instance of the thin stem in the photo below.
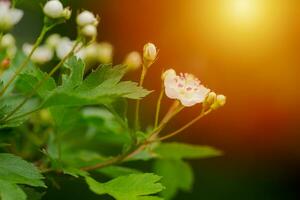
(1, 35)
(158, 105)
(138, 148)
(137, 108)
(26, 61)
(42, 81)
(184, 127)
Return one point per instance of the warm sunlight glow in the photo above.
(244, 11)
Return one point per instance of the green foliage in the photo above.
(76, 121)
(177, 151)
(133, 187)
(13, 171)
(10, 191)
(171, 162)
(102, 86)
(177, 175)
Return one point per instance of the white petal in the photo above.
(16, 15)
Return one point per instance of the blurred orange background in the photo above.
(247, 49)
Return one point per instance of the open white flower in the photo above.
(41, 55)
(184, 87)
(65, 46)
(8, 16)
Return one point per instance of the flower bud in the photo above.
(67, 13)
(86, 18)
(54, 9)
(53, 40)
(5, 64)
(221, 99)
(219, 102)
(105, 52)
(89, 31)
(7, 41)
(149, 53)
(133, 60)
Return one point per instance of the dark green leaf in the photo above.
(176, 174)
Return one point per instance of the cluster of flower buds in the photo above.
(55, 10)
(214, 101)
(149, 54)
(8, 44)
(87, 23)
(8, 16)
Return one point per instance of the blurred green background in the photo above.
(256, 66)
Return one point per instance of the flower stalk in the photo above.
(6, 118)
(45, 29)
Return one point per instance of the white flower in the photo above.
(64, 47)
(7, 41)
(54, 9)
(89, 31)
(53, 40)
(41, 55)
(133, 60)
(86, 18)
(150, 52)
(184, 87)
(8, 16)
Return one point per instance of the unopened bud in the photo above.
(5, 63)
(133, 61)
(7, 41)
(53, 9)
(86, 18)
(53, 40)
(149, 53)
(220, 101)
(67, 13)
(89, 31)
(105, 52)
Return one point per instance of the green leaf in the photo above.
(10, 191)
(131, 187)
(176, 174)
(116, 171)
(15, 63)
(185, 151)
(102, 86)
(9, 103)
(29, 80)
(13, 169)
(75, 172)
